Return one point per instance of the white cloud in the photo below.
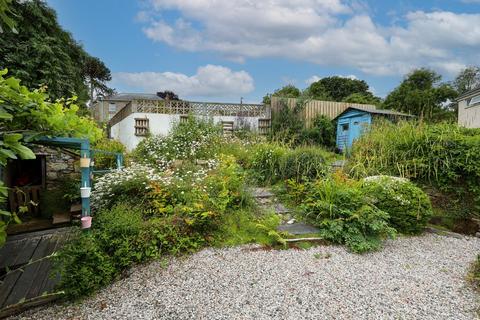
(325, 32)
(210, 80)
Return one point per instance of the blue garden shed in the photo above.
(352, 121)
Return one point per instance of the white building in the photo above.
(141, 117)
(469, 109)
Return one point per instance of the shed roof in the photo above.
(376, 111)
(469, 94)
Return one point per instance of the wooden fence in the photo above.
(313, 108)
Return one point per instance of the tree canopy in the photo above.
(42, 53)
(337, 88)
(288, 91)
(467, 79)
(422, 94)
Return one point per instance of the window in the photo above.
(227, 127)
(345, 127)
(141, 126)
(112, 107)
(473, 101)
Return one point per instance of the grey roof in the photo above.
(378, 111)
(132, 96)
(469, 93)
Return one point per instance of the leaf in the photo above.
(5, 115)
(24, 152)
(16, 219)
(10, 138)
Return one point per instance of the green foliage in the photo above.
(25, 114)
(467, 79)
(287, 123)
(6, 16)
(322, 132)
(474, 274)
(107, 160)
(273, 162)
(345, 214)
(288, 91)
(192, 139)
(337, 88)
(444, 155)
(96, 75)
(61, 197)
(408, 206)
(58, 62)
(363, 98)
(421, 94)
(83, 266)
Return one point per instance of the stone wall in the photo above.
(59, 164)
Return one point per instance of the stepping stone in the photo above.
(281, 209)
(339, 164)
(262, 193)
(298, 228)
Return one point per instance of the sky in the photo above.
(222, 50)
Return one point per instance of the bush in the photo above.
(193, 139)
(130, 184)
(303, 163)
(272, 163)
(444, 155)
(83, 266)
(104, 160)
(408, 206)
(322, 132)
(344, 214)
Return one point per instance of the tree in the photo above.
(288, 91)
(42, 53)
(467, 79)
(336, 88)
(362, 98)
(96, 74)
(6, 16)
(422, 94)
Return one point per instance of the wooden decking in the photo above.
(25, 280)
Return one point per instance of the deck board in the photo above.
(21, 288)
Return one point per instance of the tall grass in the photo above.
(443, 155)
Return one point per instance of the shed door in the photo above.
(357, 125)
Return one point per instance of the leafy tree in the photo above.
(5, 16)
(322, 132)
(42, 53)
(467, 79)
(363, 98)
(97, 74)
(337, 88)
(288, 91)
(422, 94)
(168, 95)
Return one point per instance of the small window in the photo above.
(345, 127)
(356, 123)
(227, 127)
(112, 107)
(141, 127)
(473, 101)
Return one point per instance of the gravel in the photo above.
(411, 278)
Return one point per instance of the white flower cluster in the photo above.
(102, 190)
(388, 185)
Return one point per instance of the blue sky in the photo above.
(218, 50)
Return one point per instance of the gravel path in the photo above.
(412, 278)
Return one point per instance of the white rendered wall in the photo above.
(468, 117)
(161, 124)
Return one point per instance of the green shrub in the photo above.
(105, 160)
(345, 215)
(474, 274)
(83, 266)
(408, 206)
(443, 155)
(193, 139)
(303, 163)
(322, 132)
(266, 162)
(273, 162)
